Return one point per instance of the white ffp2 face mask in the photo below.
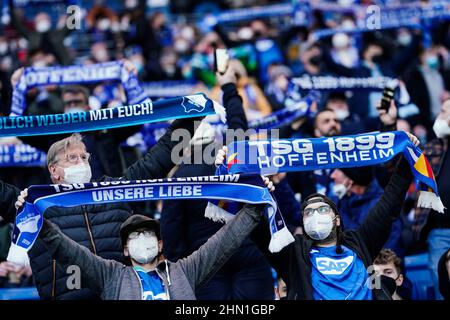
(144, 248)
(318, 226)
(341, 114)
(80, 173)
(340, 190)
(441, 128)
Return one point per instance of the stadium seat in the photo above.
(416, 268)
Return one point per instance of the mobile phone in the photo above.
(388, 95)
(221, 59)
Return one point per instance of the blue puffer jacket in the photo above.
(96, 226)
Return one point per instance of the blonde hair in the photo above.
(62, 145)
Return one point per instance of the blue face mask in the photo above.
(432, 62)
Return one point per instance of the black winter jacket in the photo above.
(93, 226)
(293, 262)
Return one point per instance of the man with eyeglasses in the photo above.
(150, 276)
(95, 227)
(108, 156)
(326, 263)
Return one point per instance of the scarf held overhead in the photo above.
(107, 71)
(273, 156)
(295, 108)
(29, 220)
(123, 116)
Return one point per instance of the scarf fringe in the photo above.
(430, 200)
(217, 214)
(18, 255)
(280, 239)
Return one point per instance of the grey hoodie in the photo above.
(115, 281)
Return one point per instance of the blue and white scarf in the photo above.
(326, 83)
(405, 15)
(371, 18)
(21, 155)
(238, 15)
(295, 108)
(162, 110)
(108, 71)
(273, 156)
(29, 220)
(169, 88)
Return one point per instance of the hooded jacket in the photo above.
(115, 281)
(293, 262)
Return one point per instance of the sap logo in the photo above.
(195, 102)
(333, 266)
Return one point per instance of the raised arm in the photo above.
(211, 256)
(376, 228)
(96, 271)
(232, 101)
(17, 24)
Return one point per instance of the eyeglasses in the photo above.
(135, 234)
(321, 210)
(73, 158)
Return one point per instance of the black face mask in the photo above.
(378, 58)
(316, 60)
(389, 284)
(257, 34)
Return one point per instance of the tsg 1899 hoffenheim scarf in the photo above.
(272, 156)
(240, 188)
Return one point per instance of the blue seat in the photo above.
(416, 269)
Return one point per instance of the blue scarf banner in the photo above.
(21, 155)
(273, 156)
(181, 107)
(238, 15)
(404, 15)
(371, 18)
(169, 88)
(108, 71)
(327, 83)
(23, 3)
(29, 219)
(296, 107)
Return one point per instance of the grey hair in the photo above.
(62, 145)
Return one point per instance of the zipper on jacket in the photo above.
(140, 283)
(88, 226)
(166, 285)
(53, 294)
